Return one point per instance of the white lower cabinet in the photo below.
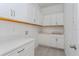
(14, 53)
(52, 41)
(25, 50)
(45, 40)
(60, 43)
(56, 41)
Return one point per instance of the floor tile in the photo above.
(47, 51)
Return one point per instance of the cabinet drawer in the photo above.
(23, 50)
(52, 42)
(27, 51)
(13, 53)
(60, 42)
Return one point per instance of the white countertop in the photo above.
(11, 44)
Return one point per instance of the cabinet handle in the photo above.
(14, 13)
(73, 21)
(73, 46)
(34, 20)
(56, 39)
(20, 51)
(11, 12)
(56, 22)
(26, 32)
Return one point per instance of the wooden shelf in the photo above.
(22, 22)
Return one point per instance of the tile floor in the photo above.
(48, 51)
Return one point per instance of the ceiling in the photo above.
(42, 5)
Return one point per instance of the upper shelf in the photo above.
(19, 21)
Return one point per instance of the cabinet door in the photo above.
(5, 10)
(50, 20)
(27, 12)
(27, 50)
(47, 40)
(53, 19)
(22, 12)
(38, 17)
(35, 13)
(46, 20)
(70, 12)
(12, 53)
(60, 43)
(43, 39)
(60, 19)
(33, 33)
(52, 42)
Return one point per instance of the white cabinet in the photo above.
(33, 33)
(54, 19)
(52, 40)
(36, 14)
(5, 10)
(71, 12)
(22, 12)
(26, 12)
(68, 8)
(14, 53)
(60, 19)
(24, 50)
(50, 20)
(39, 17)
(43, 39)
(16, 11)
(60, 42)
(46, 20)
(27, 50)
